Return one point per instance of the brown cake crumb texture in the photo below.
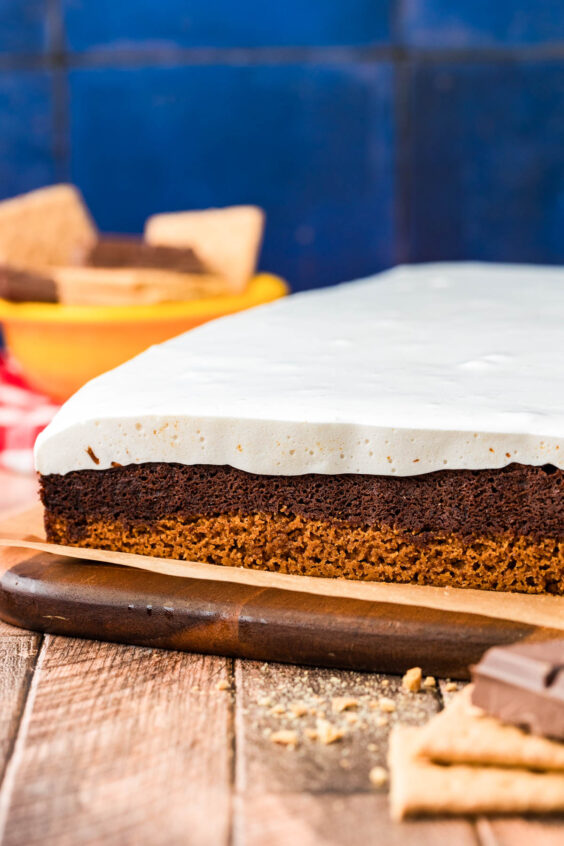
(300, 546)
(518, 499)
(495, 529)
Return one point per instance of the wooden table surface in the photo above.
(102, 743)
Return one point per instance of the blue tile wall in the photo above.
(489, 162)
(24, 26)
(478, 23)
(313, 145)
(372, 131)
(123, 24)
(27, 139)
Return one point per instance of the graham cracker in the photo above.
(44, 228)
(465, 734)
(102, 286)
(226, 240)
(420, 787)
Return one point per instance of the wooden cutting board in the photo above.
(80, 598)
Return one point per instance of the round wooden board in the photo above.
(75, 597)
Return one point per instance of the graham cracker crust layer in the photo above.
(300, 546)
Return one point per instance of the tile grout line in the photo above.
(18, 746)
(396, 18)
(60, 105)
(59, 57)
(403, 164)
(402, 141)
(55, 30)
(60, 118)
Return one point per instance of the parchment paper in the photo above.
(25, 530)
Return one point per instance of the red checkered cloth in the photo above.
(23, 414)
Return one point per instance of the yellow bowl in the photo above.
(59, 347)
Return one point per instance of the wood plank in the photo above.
(516, 831)
(314, 766)
(18, 656)
(6, 630)
(335, 820)
(316, 793)
(121, 745)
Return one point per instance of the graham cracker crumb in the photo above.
(451, 687)
(378, 776)
(277, 710)
(223, 685)
(311, 734)
(285, 738)
(429, 681)
(298, 709)
(412, 680)
(387, 705)
(343, 703)
(327, 733)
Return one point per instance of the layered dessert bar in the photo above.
(51, 251)
(408, 427)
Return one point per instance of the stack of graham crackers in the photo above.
(51, 251)
(504, 757)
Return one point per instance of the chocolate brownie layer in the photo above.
(521, 500)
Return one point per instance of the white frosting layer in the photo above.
(420, 368)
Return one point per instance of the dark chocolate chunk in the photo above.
(20, 286)
(123, 251)
(523, 684)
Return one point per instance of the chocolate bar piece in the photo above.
(523, 684)
(20, 286)
(120, 251)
